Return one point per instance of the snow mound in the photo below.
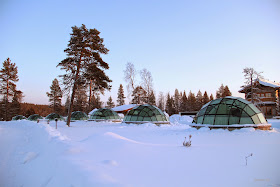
(178, 119)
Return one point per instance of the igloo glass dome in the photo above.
(78, 115)
(229, 111)
(54, 116)
(144, 114)
(105, 114)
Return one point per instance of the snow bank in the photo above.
(117, 154)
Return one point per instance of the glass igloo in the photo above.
(78, 115)
(18, 117)
(54, 116)
(34, 117)
(146, 114)
(229, 112)
(104, 114)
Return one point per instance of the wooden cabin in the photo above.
(266, 96)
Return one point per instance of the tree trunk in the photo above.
(6, 102)
(73, 93)
(252, 93)
(89, 99)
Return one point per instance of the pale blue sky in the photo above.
(189, 45)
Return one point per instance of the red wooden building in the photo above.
(267, 94)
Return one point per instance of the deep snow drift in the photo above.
(115, 154)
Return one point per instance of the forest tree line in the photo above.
(85, 79)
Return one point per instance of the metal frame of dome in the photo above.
(230, 112)
(104, 114)
(52, 116)
(34, 117)
(146, 114)
(18, 117)
(76, 113)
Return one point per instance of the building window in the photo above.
(268, 95)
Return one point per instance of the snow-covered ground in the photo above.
(115, 154)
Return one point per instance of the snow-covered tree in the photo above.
(121, 96)
(83, 54)
(55, 96)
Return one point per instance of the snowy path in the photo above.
(109, 154)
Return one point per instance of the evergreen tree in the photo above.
(55, 96)
(97, 81)
(139, 96)
(184, 102)
(161, 99)
(67, 105)
(170, 109)
(8, 78)
(98, 103)
(205, 98)
(80, 100)
(220, 91)
(121, 96)
(15, 105)
(83, 53)
(152, 98)
(176, 101)
(110, 103)
(226, 92)
(191, 101)
(199, 101)
(211, 98)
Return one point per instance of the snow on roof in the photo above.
(124, 107)
(264, 83)
(269, 83)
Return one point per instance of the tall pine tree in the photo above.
(83, 52)
(8, 79)
(184, 102)
(55, 96)
(205, 98)
(176, 101)
(110, 103)
(121, 96)
(191, 101)
(139, 95)
(169, 107)
(199, 101)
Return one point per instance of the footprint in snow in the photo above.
(29, 157)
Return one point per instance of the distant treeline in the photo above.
(28, 109)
